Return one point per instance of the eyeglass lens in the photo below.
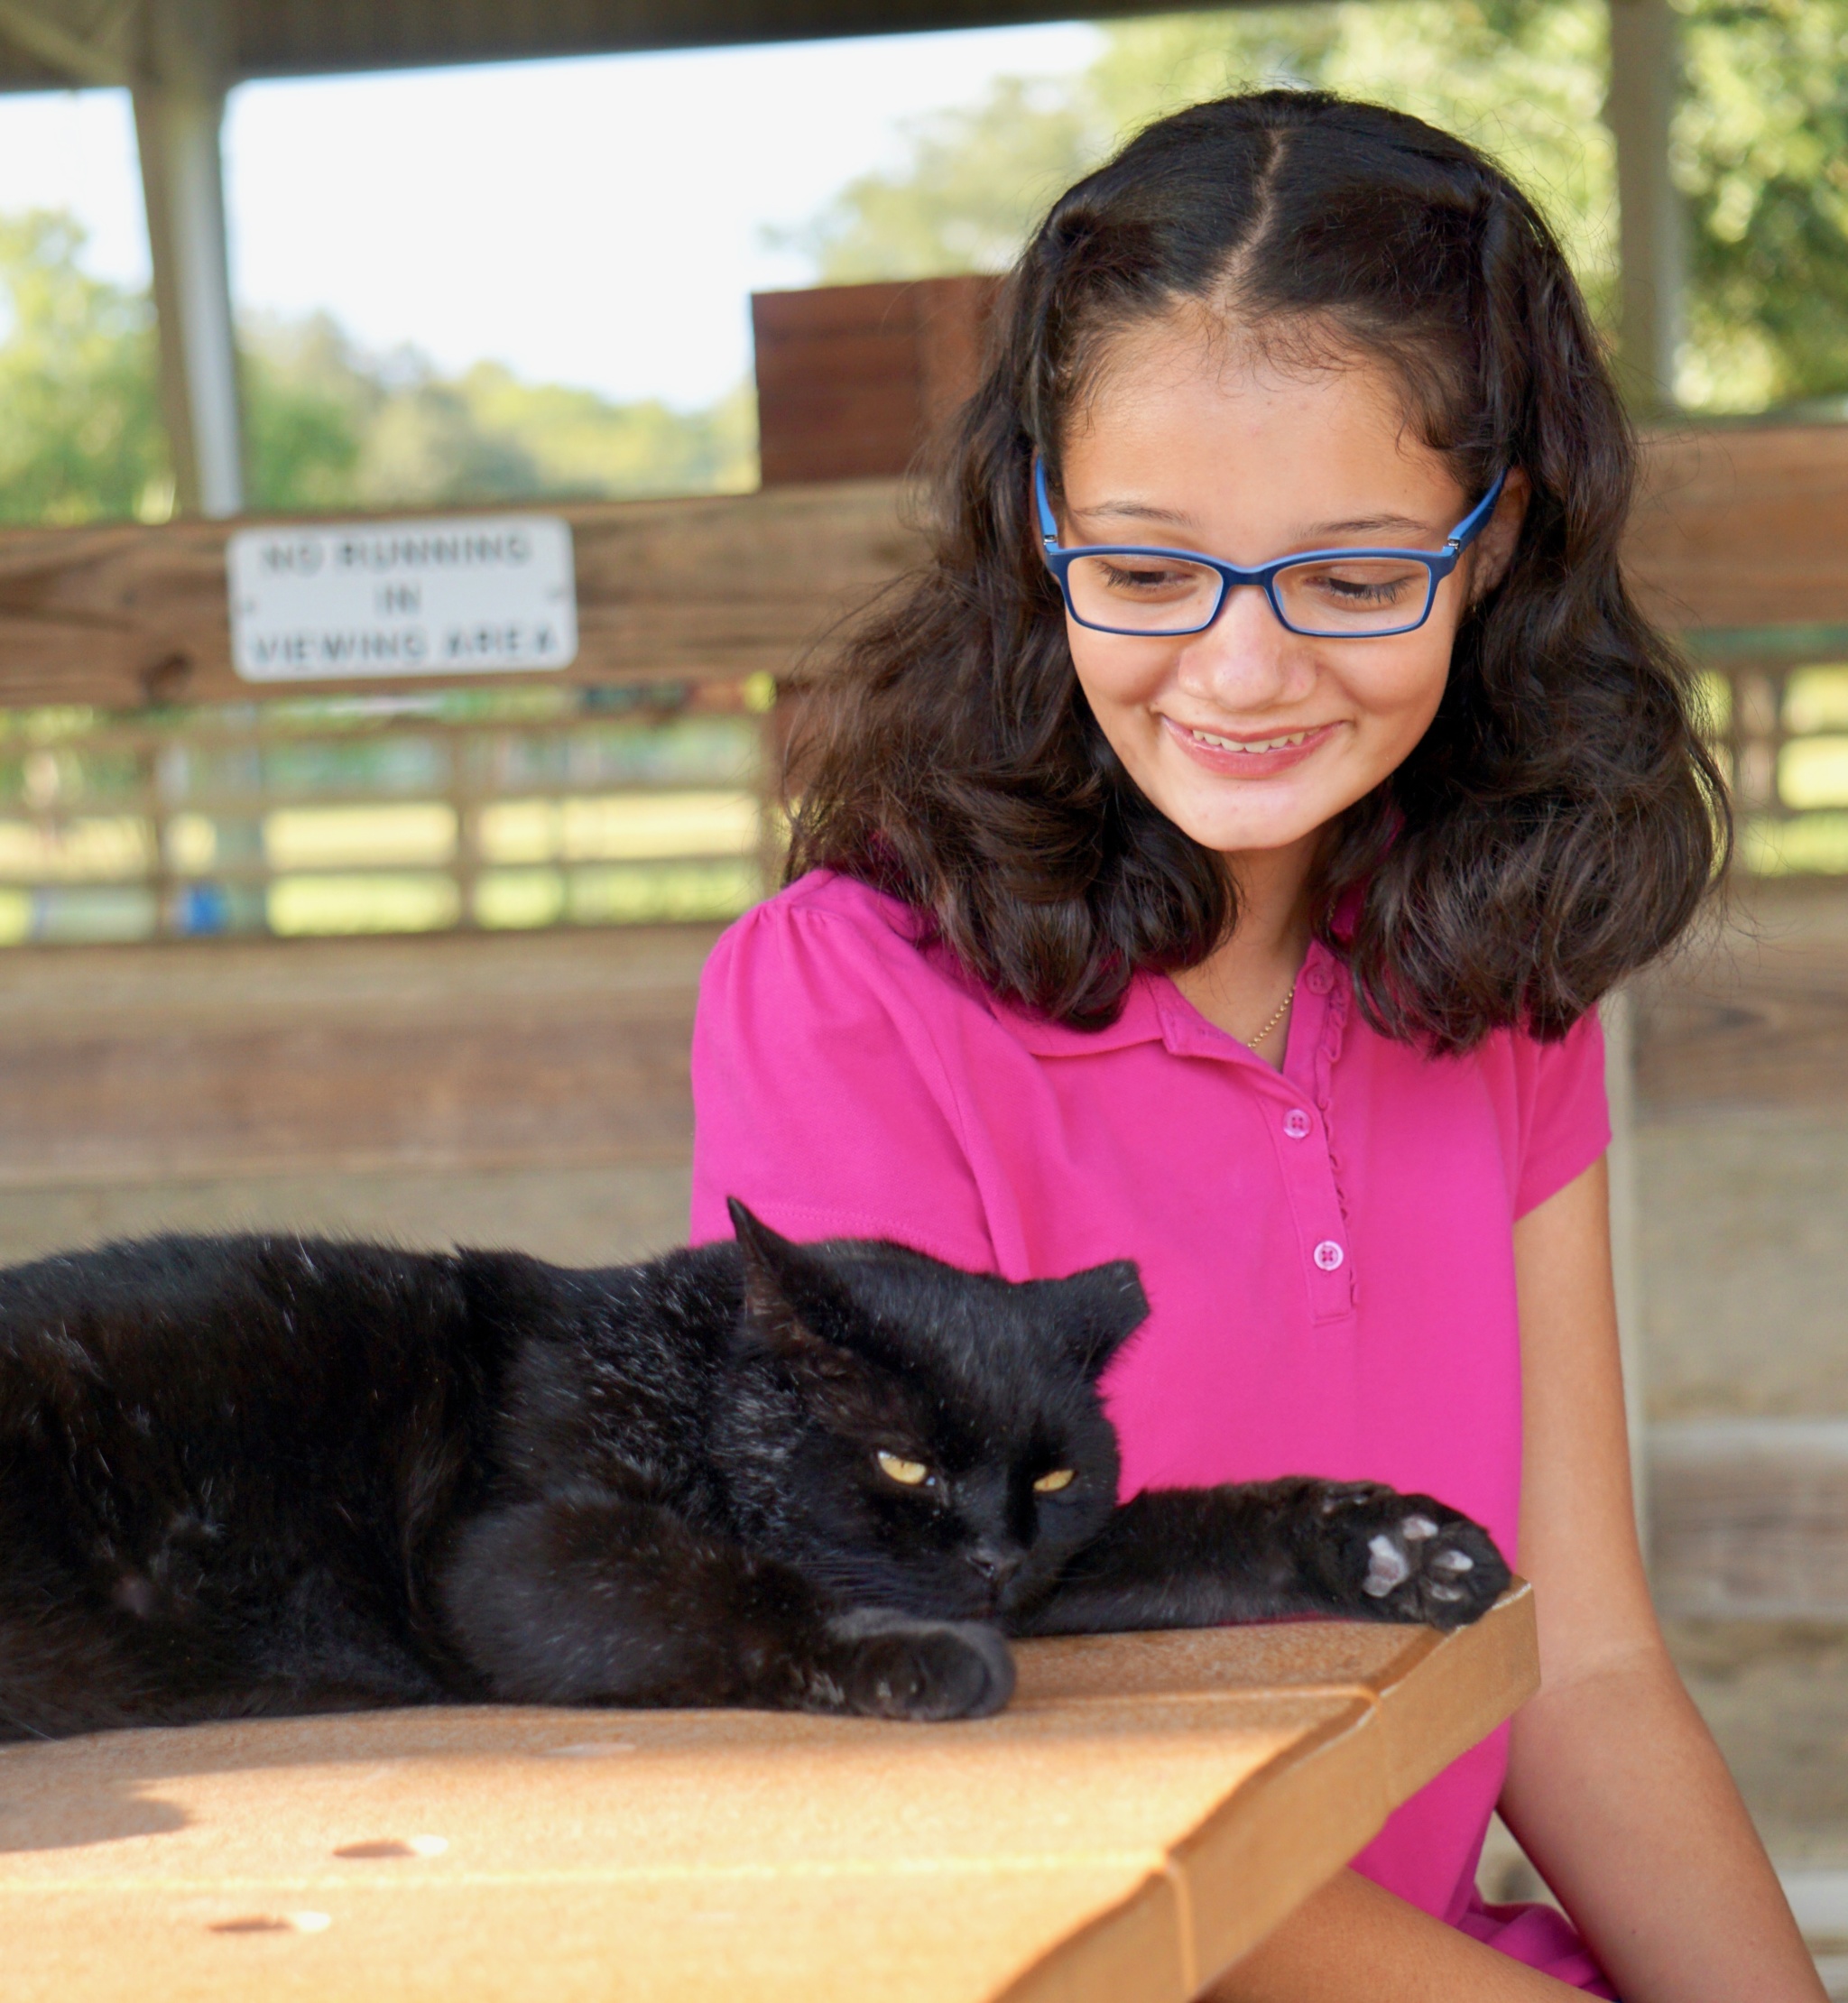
(1158, 594)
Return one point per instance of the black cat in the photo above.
(257, 1475)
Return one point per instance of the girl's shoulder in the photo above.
(1552, 1102)
(835, 902)
(830, 1078)
(830, 934)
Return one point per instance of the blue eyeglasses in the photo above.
(1324, 593)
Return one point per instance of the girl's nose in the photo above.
(1246, 660)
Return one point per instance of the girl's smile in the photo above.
(1248, 757)
(1250, 737)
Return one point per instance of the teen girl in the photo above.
(1248, 922)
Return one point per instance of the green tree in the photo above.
(1761, 152)
(1761, 146)
(328, 426)
(576, 442)
(332, 426)
(309, 402)
(81, 437)
(966, 196)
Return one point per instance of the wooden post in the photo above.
(1639, 110)
(1619, 1014)
(853, 382)
(853, 379)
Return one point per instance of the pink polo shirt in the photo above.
(1327, 1250)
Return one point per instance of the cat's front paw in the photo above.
(895, 1666)
(1406, 1558)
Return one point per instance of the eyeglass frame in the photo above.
(1438, 565)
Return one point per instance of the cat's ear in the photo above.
(770, 1263)
(1098, 1310)
(758, 1243)
(781, 1286)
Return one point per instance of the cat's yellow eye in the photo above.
(1050, 1484)
(911, 1473)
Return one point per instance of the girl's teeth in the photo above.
(1253, 744)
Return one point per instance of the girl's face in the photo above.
(1249, 737)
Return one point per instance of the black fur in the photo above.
(253, 1475)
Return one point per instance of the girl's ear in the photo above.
(1493, 551)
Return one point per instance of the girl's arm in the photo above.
(1354, 1943)
(1615, 1788)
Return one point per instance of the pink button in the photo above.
(1296, 1123)
(1328, 1255)
(1318, 978)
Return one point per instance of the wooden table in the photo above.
(1148, 1807)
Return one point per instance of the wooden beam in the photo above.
(308, 37)
(263, 1058)
(1738, 528)
(1754, 1519)
(89, 57)
(667, 590)
(1753, 1020)
(1745, 527)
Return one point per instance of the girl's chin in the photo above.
(1245, 841)
(1277, 818)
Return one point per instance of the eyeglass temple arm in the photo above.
(1049, 528)
(1477, 519)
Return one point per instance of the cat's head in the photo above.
(910, 1436)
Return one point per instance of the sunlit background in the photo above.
(531, 281)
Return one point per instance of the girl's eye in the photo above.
(909, 1474)
(1359, 585)
(1050, 1484)
(1140, 580)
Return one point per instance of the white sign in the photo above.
(341, 601)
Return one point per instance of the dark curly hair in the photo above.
(1560, 821)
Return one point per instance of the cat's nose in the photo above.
(994, 1564)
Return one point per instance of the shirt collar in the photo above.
(1140, 1021)
(1156, 1011)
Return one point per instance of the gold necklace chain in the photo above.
(1252, 1043)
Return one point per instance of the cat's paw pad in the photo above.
(894, 1665)
(1417, 1562)
(1337, 1498)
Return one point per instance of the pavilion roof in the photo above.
(293, 38)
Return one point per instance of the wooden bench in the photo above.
(1145, 1811)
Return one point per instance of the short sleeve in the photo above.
(1567, 1116)
(819, 1096)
